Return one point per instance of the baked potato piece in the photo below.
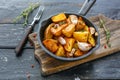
(69, 44)
(68, 21)
(86, 28)
(51, 44)
(47, 33)
(80, 25)
(57, 29)
(60, 51)
(75, 45)
(81, 36)
(78, 53)
(59, 17)
(68, 31)
(91, 40)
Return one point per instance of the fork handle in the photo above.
(19, 48)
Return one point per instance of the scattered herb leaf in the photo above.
(107, 32)
(62, 22)
(25, 13)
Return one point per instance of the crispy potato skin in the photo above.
(80, 25)
(81, 36)
(78, 53)
(51, 44)
(68, 31)
(59, 17)
(47, 33)
(60, 51)
(68, 46)
(91, 40)
(58, 30)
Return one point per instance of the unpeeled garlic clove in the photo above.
(62, 40)
(92, 30)
(83, 46)
(73, 19)
(96, 33)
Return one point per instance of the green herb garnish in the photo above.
(25, 13)
(62, 22)
(107, 32)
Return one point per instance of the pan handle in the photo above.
(86, 7)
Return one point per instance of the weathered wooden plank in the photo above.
(10, 9)
(14, 68)
(11, 34)
(13, 8)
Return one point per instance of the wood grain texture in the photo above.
(50, 65)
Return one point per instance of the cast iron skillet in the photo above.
(87, 5)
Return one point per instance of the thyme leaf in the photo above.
(25, 13)
(107, 32)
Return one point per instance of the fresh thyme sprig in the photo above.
(107, 32)
(25, 13)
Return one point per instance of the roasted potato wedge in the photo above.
(51, 44)
(47, 33)
(68, 31)
(60, 51)
(57, 30)
(78, 53)
(91, 40)
(81, 36)
(86, 28)
(69, 44)
(59, 17)
(80, 25)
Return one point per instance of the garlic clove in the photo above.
(70, 54)
(62, 40)
(96, 33)
(92, 30)
(83, 46)
(73, 19)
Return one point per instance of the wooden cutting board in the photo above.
(50, 65)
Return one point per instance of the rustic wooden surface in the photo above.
(13, 68)
(49, 65)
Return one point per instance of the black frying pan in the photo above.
(83, 11)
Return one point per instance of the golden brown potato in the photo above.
(78, 53)
(75, 45)
(91, 40)
(57, 30)
(59, 17)
(80, 25)
(68, 31)
(86, 28)
(68, 21)
(60, 51)
(81, 36)
(47, 33)
(51, 44)
(69, 44)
